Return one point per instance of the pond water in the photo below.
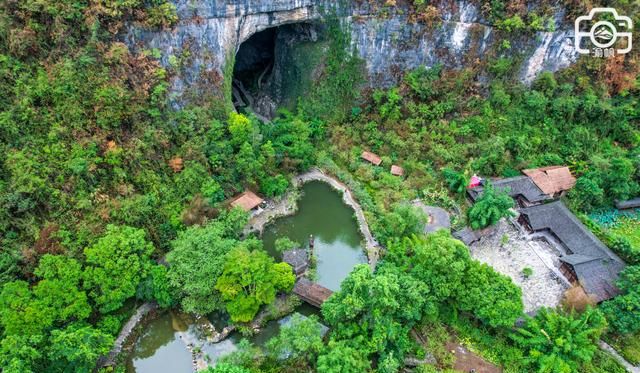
(162, 348)
(338, 243)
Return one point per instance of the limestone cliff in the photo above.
(211, 32)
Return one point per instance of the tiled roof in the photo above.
(552, 179)
(297, 259)
(466, 235)
(371, 157)
(596, 266)
(630, 204)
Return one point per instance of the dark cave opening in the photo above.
(271, 68)
(253, 66)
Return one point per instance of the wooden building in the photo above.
(246, 201)
(585, 260)
(371, 158)
(397, 170)
(552, 180)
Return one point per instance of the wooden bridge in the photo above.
(310, 292)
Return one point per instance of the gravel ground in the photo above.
(509, 252)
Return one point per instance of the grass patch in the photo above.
(629, 228)
(628, 346)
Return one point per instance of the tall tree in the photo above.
(343, 357)
(378, 309)
(492, 297)
(56, 298)
(250, 279)
(77, 348)
(116, 265)
(489, 208)
(195, 263)
(300, 339)
(559, 342)
(623, 311)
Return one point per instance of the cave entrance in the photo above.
(275, 66)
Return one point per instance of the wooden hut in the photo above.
(371, 158)
(247, 201)
(397, 170)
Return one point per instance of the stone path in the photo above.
(141, 312)
(627, 365)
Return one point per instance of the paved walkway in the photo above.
(438, 217)
(509, 252)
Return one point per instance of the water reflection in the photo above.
(323, 214)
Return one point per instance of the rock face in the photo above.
(209, 34)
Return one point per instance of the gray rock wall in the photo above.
(212, 31)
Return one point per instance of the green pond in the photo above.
(162, 347)
(338, 242)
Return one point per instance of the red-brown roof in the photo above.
(247, 201)
(397, 170)
(552, 179)
(371, 157)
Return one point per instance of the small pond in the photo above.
(162, 348)
(338, 242)
(338, 248)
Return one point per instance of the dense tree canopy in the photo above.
(623, 311)
(419, 276)
(343, 357)
(558, 342)
(250, 278)
(196, 262)
(115, 266)
(56, 298)
(300, 339)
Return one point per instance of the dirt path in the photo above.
(467, 360)
(288, 206)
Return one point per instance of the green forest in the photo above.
(112, 197)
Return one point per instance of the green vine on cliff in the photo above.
(338, 87)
